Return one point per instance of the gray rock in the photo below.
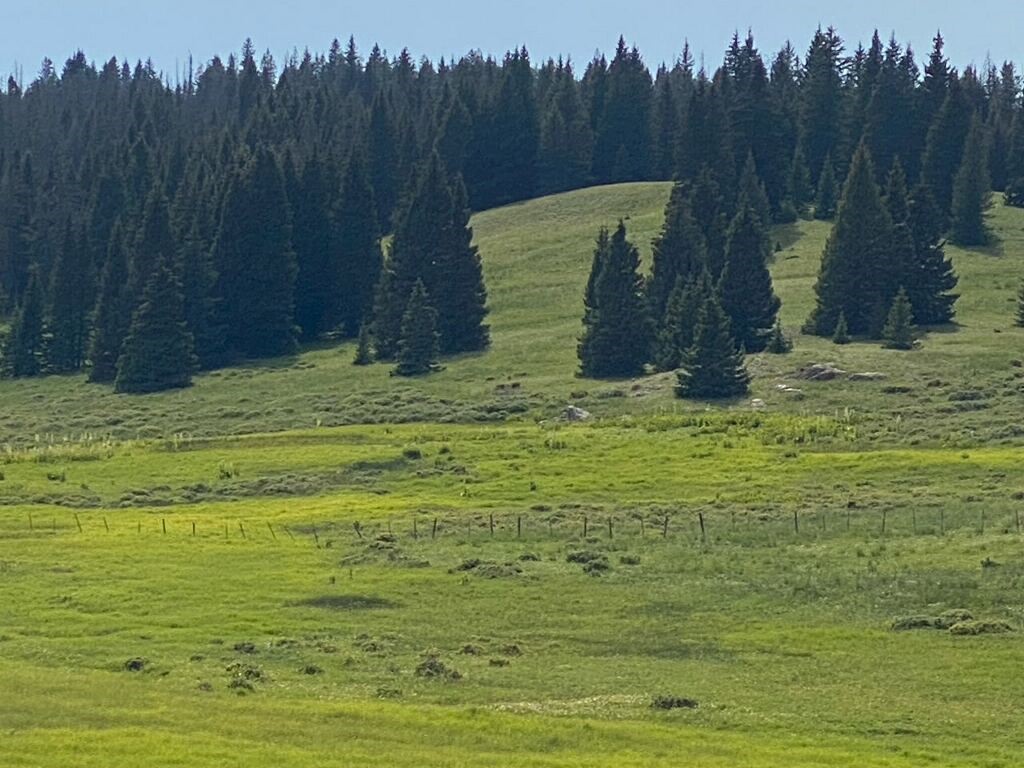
(572, 413)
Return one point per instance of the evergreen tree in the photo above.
(1018, 319)
(71, 292)
(462, 303)
(621, 151)
(112, 315)
(896, 194)
(712, 366)
(158, 349)
(364, 348)
(821, 100)
(899, 330)
(972, 190)
(678, 252)
(255, 262)
(746, 289)
(615, 334)
(384, 176)
(798, 186)
(24, 346)
(356, 249)
(841, 334)
(778, 342)
(708, 206)
(932, 278)
(198, 281)
(752, 194)
(675, 336)
(1015, 162)
(854, 271)
(566, 141)
(433, 243)
(828, 192)
(418, 343)
(317, 279)
(943, 153)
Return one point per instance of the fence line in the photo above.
(701, 527)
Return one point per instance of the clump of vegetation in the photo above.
(488, 569)
(630, 559)
(989, 627)
(137, 664)
(943, 621)
(432, 667)
(673, 702)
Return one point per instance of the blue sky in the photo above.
(169, 31)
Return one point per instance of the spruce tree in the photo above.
(113, 312)
(198, 280)
(708, 206)
(158, 349)
(364, 347)
(746, 285)
(356, 247)
(317, 279)
(382, 140)
(712, 367)
(462, 301)
(255, 262)
(1018, 319)
(827, 197)
(71, 292)
(615, 340)
(24, 347)
(675, 336)
(433, 243)
(678, 252)
(778, 342)
(899, 330)
(418, 343)
(752, 194)
(853, 279)
(944, 148)
(841, 334)
(972, 190)
(798, 186)
(932, 278)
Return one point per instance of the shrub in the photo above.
(673, 702)
(971, 628)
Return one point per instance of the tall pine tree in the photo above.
(746, 285)
(255, 262)
(972, 189)
(615, 340)
(854, 268)
(158, 349)
(712, 367)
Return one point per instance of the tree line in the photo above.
(240, 211)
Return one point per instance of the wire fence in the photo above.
(698, 527)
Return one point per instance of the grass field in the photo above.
(261, 571)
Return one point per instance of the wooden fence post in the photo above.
(78, 523)
(703, 532)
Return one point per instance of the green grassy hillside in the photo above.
(960, 386)
(229, 575)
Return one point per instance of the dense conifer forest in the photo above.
(240, 209)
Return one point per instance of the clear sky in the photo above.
(169, 31)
